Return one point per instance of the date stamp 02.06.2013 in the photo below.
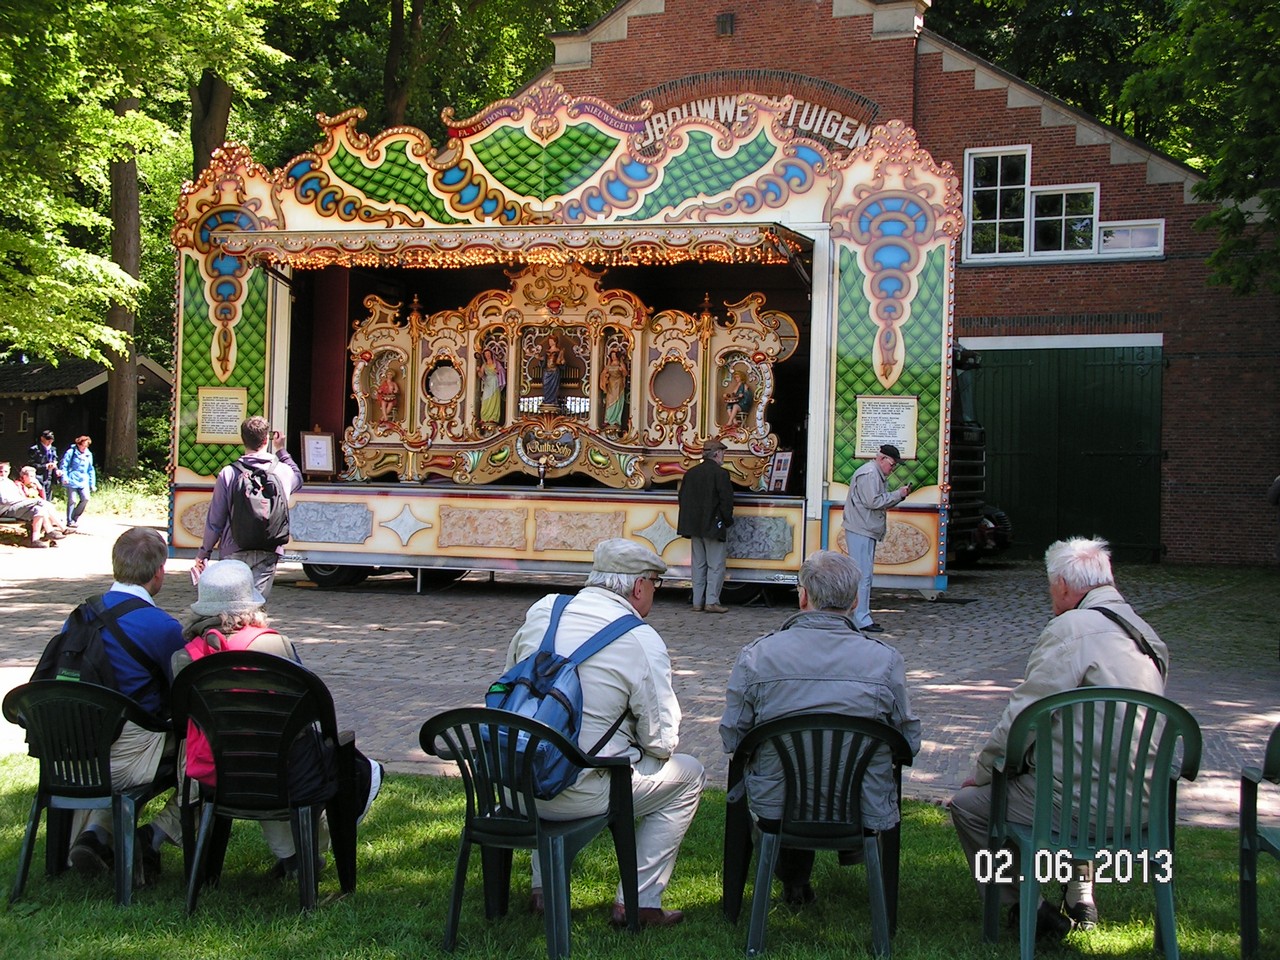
(1057, 866)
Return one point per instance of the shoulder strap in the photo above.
(605, 636)
(244, 637)
(109, 617)
(250, 469)
(601, 639)
(1134, 634)
(557, 608)
(594, 644)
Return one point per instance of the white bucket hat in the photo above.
(227, 587)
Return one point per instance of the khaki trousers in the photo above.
(665, 793)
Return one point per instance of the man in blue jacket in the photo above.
(137, 563)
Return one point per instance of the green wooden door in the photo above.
(1073, 445)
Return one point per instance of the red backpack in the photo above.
(199, 753)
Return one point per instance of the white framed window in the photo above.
(24, 422)
(1131, 238)
(1064, 219)
(996, 201)
(1, 421)
(1010, 218)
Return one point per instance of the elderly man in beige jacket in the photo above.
(1081, 647)
(631, 679)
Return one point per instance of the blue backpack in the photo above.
(545, 686)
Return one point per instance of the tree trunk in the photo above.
(210, 114)
(126, 251)
(405, 56)
(395, 93)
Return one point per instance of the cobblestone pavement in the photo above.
(392, 657)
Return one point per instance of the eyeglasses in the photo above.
(656, 581)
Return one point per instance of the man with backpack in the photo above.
(628, 703)
(139, 639)
(249, 515)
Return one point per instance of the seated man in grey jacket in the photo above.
(818, 662)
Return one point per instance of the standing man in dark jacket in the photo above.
(43, 455)
(706, 514)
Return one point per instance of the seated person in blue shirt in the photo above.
(137, 562)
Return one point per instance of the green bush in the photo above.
(143, 495)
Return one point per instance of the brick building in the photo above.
(1122, 394)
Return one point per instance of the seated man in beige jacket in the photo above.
(631, 679)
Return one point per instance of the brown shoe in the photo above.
(697, 608)
(536, 903)
(38, 545)
(716, 608)
(649, 916)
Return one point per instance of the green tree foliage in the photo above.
(1082, 53)
(1214, 79)
(402, 61)
(57, 136)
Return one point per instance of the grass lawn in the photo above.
(407, 852)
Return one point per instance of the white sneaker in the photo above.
(375, 785)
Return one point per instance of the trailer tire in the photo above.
(327, 576)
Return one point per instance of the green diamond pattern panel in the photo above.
(699, 172)
(526, 167)
(922, 372)
(250, 371)
(398, 179)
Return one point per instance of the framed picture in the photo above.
(318, 454)
(779, 472)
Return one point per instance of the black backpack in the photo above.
(78, 653)
(259, 508)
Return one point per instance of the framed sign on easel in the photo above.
(779, 472)
(319, 454)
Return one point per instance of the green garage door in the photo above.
(1073, 445)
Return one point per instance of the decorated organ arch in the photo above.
(561, 375)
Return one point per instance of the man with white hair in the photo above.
(627, 684)
(1094, 640)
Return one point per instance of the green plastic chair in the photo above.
(824, 758)
(1255, 838)
(1118, 792)
(70, 729)
(502, 815)
(265, 716)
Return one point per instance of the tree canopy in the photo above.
(1213, 80)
